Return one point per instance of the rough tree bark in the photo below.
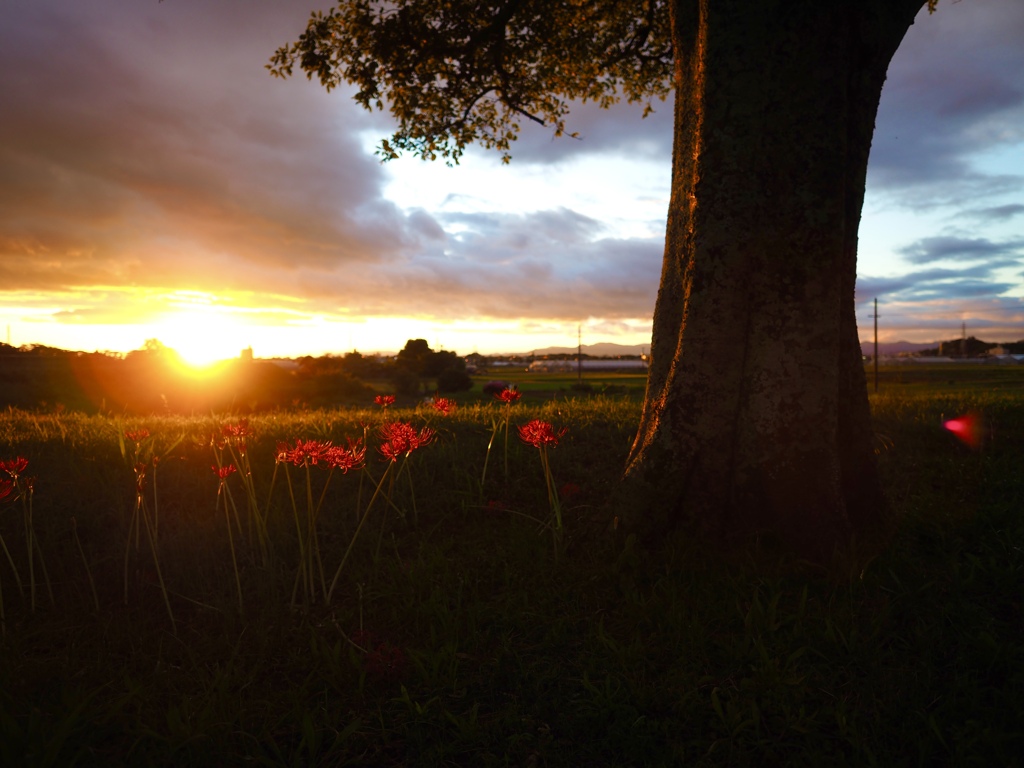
(756, 415)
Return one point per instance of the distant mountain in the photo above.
(604, 349)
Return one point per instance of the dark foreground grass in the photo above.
(455, 638)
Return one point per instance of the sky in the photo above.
(157, 182)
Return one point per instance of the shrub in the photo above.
(452, 380)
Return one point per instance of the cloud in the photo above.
(154, 170)
(562, 226)
(145, 150)
(938, 282)
(938, 111)
(931, 249)
(619, 129)
(124, 159)
(985, 317)
(548, 264)
(995, 213)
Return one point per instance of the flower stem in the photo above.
(508, 415)
(17, 576)
(362, 522)
(159, 573)
(31, 557)
(231, 541)
(132, 524)
(301, 573)
(553, 502)
(495, 425)
(85, 562)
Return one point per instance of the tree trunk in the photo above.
(756, 416)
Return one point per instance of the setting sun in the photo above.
(202, 335)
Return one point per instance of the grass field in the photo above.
(456, 636)
(940, 378)
(928, 379)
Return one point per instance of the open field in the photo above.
(936, 377)
(921, 378)
(540, 386)
(933, 379)
(455, 636)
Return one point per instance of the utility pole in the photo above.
(963, 339)
(876, 343)
(579, 354)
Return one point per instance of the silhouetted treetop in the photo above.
(453, 72)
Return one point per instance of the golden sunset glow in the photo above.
(185, 206)
(202, 334)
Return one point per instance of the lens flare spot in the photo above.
(967, 429)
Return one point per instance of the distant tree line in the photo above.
(417, 369)
(155, 380)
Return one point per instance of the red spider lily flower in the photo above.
(241, 429)
(224, 472)
(398, 434)
(444, 405)
(29, 483)
(399, 438)
(390, 451)
(353, 457)
(6, 486)
(497, 505)
(540, 433)
(14, 467)
(384, 400)
(304, 452)
(508, 395)
(425, 436)
(137, 436)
